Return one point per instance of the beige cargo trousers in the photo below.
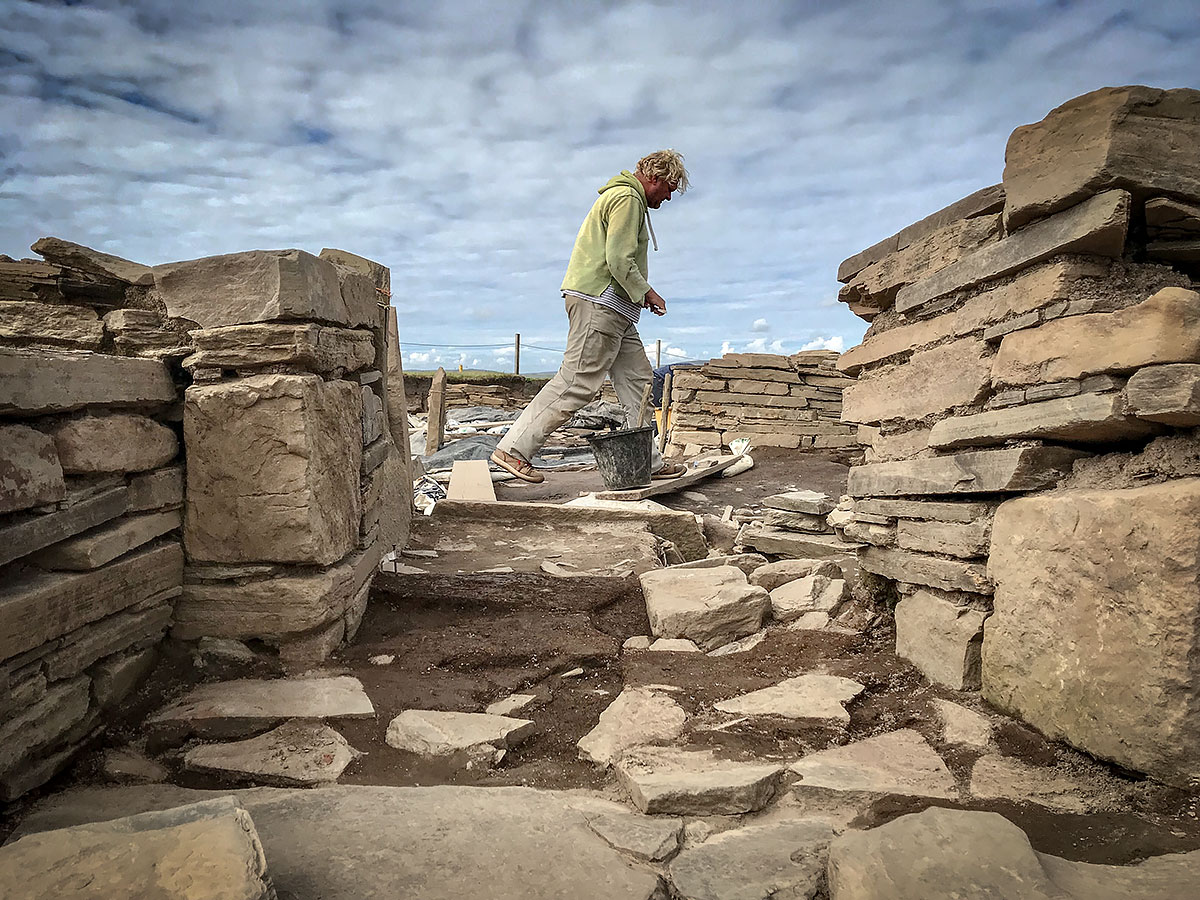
(600, 342)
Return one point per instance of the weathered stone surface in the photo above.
(822, 697)
(108, 636)
(116, 677)
(50, 324)
(127, 765)
(303, 652)
(813, 503)
(296, 754)
(42, 607)
(778, 518)
(709, 606)
(921, 568)
(932, 381)
(29, 533)
(40, 725)
(963, 726)
(966, 540)
(1094, 635)
(317, 348)
(102, 545)
(1162, 329)
(1097, 227)
(695, 783)
(899, 762)
(999, 777)
(1125, 137)
(812, 593)
(117, 442)
(650, 838)
(257, 286)
(477, 736)
(1169, 394)
(941, 639)
(973, 472)
(160, 489)
(299, 502)
(741, 645)
(227, 709)
(747, 562)
(948, 854)
(1087, 418)
(77, 256)
(215, 855)
(1168, 219)
(795, 545)
(513, 703)
(775, 574)
(51, 381)
(674, 645)
(870, 533)
(760, 862)
(924, 510)
(30, 473)
(637, 717)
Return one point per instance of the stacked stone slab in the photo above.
(296, 481)
(1026, 392)
(775, 401)
(91, 496)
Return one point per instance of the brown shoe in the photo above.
(669, 470)
(517, 466)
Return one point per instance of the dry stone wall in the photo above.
(776, 401)
(210, 448)
(1027, 393)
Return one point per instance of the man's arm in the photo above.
(654, 302)
(620, 249)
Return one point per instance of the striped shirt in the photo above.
(613, 301)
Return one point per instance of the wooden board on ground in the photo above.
(670, 485)
(471, 479)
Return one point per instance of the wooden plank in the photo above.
(471, 479)
(669, 485)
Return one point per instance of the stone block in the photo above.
(1094, 635)
(1165, 328)
(676, 782)
(299, 501)
(52, 324)
(116, 442)
(30, 473)
(77, 256)
(812, 593)
(160, 489)
(1169, 394)
(921, 568)
(973, 472)
(770, 388)
(116, 677)
(1096, 227)
(1122, 137)
(763, 438)
(941, 639)
(42, 607)
(925, 510)
(256, 286)
(879, 535)
(966, 540)
(812, 503)
(30, 533)
(636, 718)
(105, 543)
(709, 606)
(778, 518)
(775, 574)
(898, 762)
(53, 381)
(358, 295)
(778, 860)
(316, 348)
(106, 637)
(42, 724)
(899, 445)
(931, 382)
(1085, 419)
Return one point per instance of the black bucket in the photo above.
(623, 457)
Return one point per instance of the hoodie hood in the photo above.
(625, 179)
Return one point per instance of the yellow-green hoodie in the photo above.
(611, 245)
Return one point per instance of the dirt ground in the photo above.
(482, 637)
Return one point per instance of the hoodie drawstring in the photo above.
(650, 225)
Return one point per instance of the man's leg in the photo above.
(630, 374)
(592, 344)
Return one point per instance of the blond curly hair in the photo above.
(665, 165)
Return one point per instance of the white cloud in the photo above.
(760, 325)
(836, 342)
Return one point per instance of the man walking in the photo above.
(605, 290)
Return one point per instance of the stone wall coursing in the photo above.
(1014, 364)
(776, 401)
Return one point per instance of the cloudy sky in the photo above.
(461, 143)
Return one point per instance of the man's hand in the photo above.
(655, 303)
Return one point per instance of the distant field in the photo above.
(478, 376)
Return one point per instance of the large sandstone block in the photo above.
(30, 473)
(317, 348)
(1096, 626)
(1095, 227)
(53, 381)
(941, 639)
(117, 442)
(973, 472)
(1164, 328)
(256, 286)
(45, 323)
(1136, 138)
(1169, 394)
(932, 381)
(1087, 418)
(273, 468)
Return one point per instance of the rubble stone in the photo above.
(775, 574)
(30, 473)
(115, 678)
(296, 754)
(695, 783)
(812, 503)
(940, 639)
(40, 725)
(434, 733)
(674, 645)
(117, 442)
(637, 717)
(651, 838)
(709, 606)
(812, 593)
(821, 697)
(899, 762)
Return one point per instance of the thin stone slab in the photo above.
(54, 381)
(963, 511)
(791, 544)
(812, 593)
(821, 697)
(708, 606)
(430, 732)
(747, 562)
(95, 262)
(995, 777)
(637, 717)
(966, 540)
(758, 862)
(227, 709)
(899, 762)
(923, 568)
(513, 703)
(652, 838)
(30, 473)
(1087, 418)
(1095, 227)
(973, 472)
(1169, 394)
(814, 503)
(775, 574)
(779, 518)
(102, 545)
(963, 726)
(317, 348)
(695, 783)
(296, 754)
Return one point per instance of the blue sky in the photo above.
(461, 143)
